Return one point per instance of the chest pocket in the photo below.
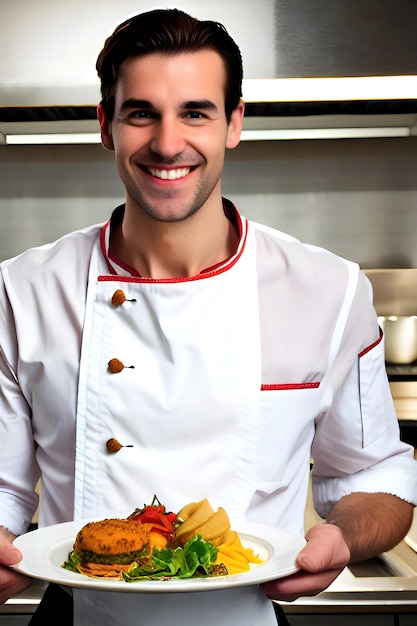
(285, 432)
(376, 404)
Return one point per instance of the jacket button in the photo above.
(119, 297)
(115, 366)
(113, 445)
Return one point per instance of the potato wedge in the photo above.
(187, 511)
(215, 529)
(199, 516)
(217, 525)
(226, 539)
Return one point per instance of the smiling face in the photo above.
(169, 132)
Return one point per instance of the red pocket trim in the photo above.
(289, 386)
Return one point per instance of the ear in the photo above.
(235, 126)
(105, 128)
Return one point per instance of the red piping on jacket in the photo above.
(219, 268)
(288, 386)
(315, 385)
(373, 345)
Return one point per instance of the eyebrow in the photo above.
(133, 103)
(202, 105)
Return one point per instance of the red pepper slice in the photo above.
(147, 517)
(162, 521)
(162, 530)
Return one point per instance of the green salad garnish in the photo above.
(195, 559)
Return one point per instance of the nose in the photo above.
(168, 139)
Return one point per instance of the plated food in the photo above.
(108, 547)
(45, 550)
(153, 544)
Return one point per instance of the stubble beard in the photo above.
(169, 208)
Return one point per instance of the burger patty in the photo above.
(112, 541)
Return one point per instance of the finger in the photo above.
(12, 583)
(300, 584)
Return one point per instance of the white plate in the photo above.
(45, 550)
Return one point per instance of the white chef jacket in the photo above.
(233, 380)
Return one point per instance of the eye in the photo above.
(195, 115)
(139, 116)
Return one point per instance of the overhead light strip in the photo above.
(52, 138)
(247, 135)
(323, 133)
(330, 89)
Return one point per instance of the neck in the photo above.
(174, 249)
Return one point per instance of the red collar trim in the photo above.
(126, 273)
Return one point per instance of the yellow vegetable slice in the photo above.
(234, 567)
(235, 556)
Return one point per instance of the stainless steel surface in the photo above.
(391, 586)
(395, 295)
(411, 537)
(395, 289)
(404, 394)
(345, 38)
(395, 592)
(278, 38)
(26, 601)
(357, 198)
(400, 338)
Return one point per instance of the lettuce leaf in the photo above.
(73, 561)
(196, 559)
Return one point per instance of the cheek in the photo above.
(127, 141)
(124, 151)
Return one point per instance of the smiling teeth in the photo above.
(170, 174)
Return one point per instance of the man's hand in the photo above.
(10, 581)
(320, 562)
(360, 526)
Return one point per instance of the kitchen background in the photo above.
(357, 197)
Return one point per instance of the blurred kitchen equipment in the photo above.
(400, 332)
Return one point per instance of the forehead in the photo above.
(193, 74)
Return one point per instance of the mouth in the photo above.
(169, 174)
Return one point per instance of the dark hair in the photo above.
(168, 31)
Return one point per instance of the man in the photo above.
(246, 352)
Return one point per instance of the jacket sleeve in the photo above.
(357, 445)
(18, 468)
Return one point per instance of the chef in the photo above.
(179, 328)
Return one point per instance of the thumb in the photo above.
(325, 549)
(10, 555)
